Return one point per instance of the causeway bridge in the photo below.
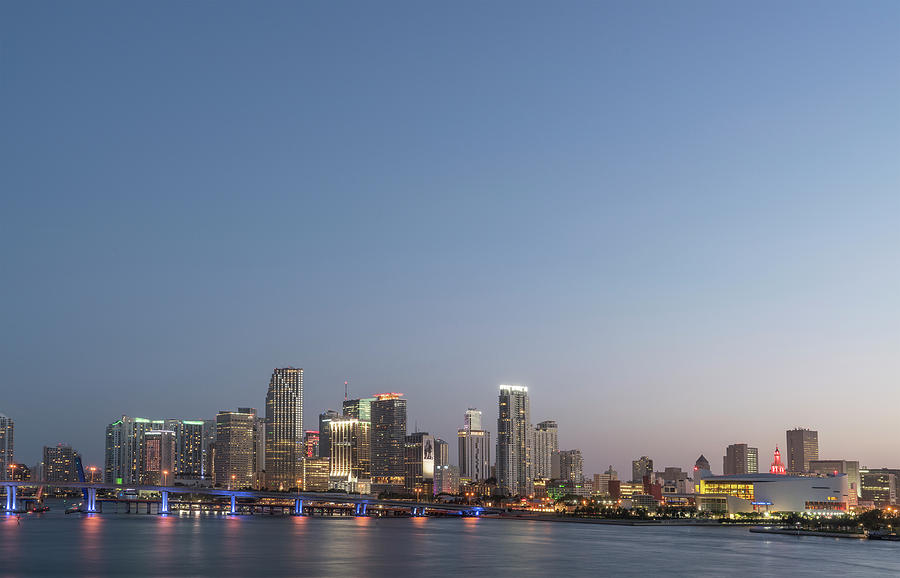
(299, 503)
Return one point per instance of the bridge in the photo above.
(299, 502)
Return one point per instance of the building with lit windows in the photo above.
(446, 479)
(316, 474)
(20, 472)
(514, 441)
(568, 466)
(284, 428)
(236, 449)
(325, 432)
(419, 463)
(311, 443)
(879, 486)
(59, 464)
(802, 448)
(158, 458)
(474, 448)
(601, 481)
(773, 493)
(188, 447)
(388, 443)
(7, 446)
(123, 442)
(640, 468)
(740, 459)
(360, 409)
(350, 452)
(546, 444)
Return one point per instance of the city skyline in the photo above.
(682, 210)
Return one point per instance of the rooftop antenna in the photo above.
(346, 390)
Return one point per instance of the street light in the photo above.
(165, 477)
(93, 469)
(12, 471)
(298, 487)
(230, 487)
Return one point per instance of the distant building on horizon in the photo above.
(802, 448)
(284, 428)
(740, 459)
(571, 466)
(514, 441)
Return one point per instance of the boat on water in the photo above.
(881, 535)
(39, 509)
(74, 509)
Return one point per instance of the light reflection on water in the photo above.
(199, 544)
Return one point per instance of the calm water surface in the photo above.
(54, 544)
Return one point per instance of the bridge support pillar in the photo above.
(298, 507)
(10, 499)
(364, 508)
(91, 506)
(233, 505)
(164, 502)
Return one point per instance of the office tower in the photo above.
(827, 467)
(235, 449)
(571, 466)
(740, 459)
(545, 444)
(802, 447)
(7, 447)
(325, 432)
(441, 452)
(311, 443)
(59, 464)
(350, 451)
(879, 486)
(701, 465)
(446, 479)
(419, 465)
(158, 458)
(315, 474)
(472, 419)
(123, 442)
(643, 466)
(188, 447)
(360, 409)
(474, 454)
(601, 481)
(209, 444)
(388, 442)
(284, 428)
(514, 439)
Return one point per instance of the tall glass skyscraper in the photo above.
(546, 443)
(514, 441)
(474, 448)
(284, 428)
(388, 442)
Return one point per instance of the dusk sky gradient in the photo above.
(678, 223)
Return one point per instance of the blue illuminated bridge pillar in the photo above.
(164, 502)
(10, 499)
(298, 507)
(91, 505)
(233, 504)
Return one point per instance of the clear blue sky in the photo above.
(677, 222)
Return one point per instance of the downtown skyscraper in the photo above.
(388, 442)
(740, 459)
(546, 444)
(284, 428)
(802, 448)
(474, 448)
(514, 440)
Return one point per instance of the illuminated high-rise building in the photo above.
(802, 448)
(123, 442)
(311, 443)
(360, 409)
(325, 419)
(514, 440)
(188, 447)
(441, 452)
(740, 459)
(209, 444)
(284, 428)
(158, 457)
(640, 468)
(235, 464)
(59, 464)
(388, 442)
(7, 447)
(474, 447)
(419, 464)
(350, 452)
(546, 443)
(571, 465)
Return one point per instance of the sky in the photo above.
(677, 223)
